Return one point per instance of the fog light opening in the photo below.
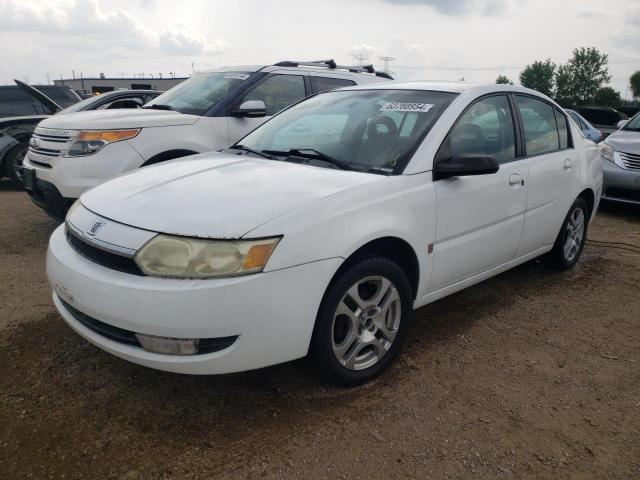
(168, 345)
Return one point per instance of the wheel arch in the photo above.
(590, 198)
(392, 248)
(168, 155)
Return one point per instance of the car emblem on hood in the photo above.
(97, 225)
(34, 142)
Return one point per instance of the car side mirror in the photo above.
(465, 165)
(250, 108)
(622, 123)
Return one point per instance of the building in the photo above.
(103, 84)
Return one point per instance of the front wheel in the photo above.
(573, 234)
(362, 321)
(14, 160)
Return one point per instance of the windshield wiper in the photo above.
(159, 106)
(251, 150)
(312, 154)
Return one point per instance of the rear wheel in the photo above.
(362, 321)
(573, 234)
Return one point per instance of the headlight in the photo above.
(606, 151)
(182, 257)
(91, 141)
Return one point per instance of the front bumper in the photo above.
(272, 314)
(620, 184)
(46, 196)
(72, 176)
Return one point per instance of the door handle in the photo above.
(567, 164)
(515, 179)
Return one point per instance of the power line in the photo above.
(407, 67)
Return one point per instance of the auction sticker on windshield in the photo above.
(406, 107)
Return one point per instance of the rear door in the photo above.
(480, 218)
(553, 171)
(277, 91)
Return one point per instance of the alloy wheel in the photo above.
(574, 233)
(365, 323)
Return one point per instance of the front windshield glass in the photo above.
(81, 105)
(364, 130)
(633, 124)
(198, 94)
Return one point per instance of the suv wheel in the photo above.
(13, 162)
(362, 321)
(573, 234)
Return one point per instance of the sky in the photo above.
(431, 39)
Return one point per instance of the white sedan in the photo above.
(319, 232)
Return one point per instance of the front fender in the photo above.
(337, 226)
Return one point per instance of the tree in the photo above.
(608, 97)
(634, 81)
(578, 81)
(539, 76)
(503, 80)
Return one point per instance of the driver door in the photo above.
(480, 218)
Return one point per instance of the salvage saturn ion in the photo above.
(319, 232)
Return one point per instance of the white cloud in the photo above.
(86, 22)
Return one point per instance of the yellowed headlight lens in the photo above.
(107, 135)
(181, 257)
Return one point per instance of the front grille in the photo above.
(48, 144)
(120, 335)
(630, 160)
(102, 257)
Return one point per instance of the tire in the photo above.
(571, 238)
(13, 162)
(354, 338)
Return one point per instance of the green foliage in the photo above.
(578, 81)
(539, 76)
(634, 81)
(608, 97)
(503, 80)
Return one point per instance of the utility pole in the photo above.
(386, 61)
(48, 79)
(360, 58)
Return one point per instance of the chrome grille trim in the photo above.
(630, 160)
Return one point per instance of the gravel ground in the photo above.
(533, 374)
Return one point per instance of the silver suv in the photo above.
(622, 171)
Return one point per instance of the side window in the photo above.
(539, 125)
(320, 84)
(486, 128)
(278, 92)
(563, 129)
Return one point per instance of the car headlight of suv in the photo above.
(183, 257)
(91, 141)
(608, 153)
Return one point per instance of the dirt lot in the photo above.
(533, 374)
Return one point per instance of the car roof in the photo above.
(292, 66)
(453, 87)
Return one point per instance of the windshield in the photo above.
(633, 124)
(198, 94)
(364, 130)
(80, 106)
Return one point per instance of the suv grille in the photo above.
(120, 335)
(48, 144)
(630, 160)
(102, 257)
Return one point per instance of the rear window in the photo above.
(598, 116)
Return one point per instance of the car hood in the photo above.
(118, 118)
(625, 141)
(216, 195)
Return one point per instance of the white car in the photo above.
(324, 228)
(72, 153)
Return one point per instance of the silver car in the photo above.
(622, 171)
